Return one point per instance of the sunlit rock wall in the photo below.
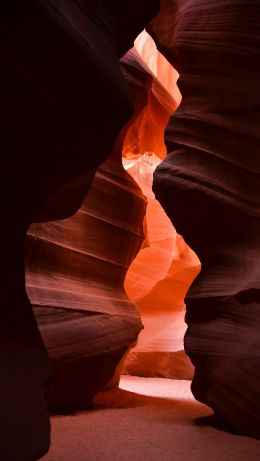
(76, 267)
(157, 281)
(152, 81)
(160, 275)
(209, 186)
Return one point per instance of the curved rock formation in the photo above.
(76, 267)
(152, 81)
(60, 64)
(157, 282)
(209, 186)
(164, 268)
(75, 274)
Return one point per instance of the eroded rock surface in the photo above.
(60, 80)
(76, 267)
(160, 275)
(75, 275)
(209, 187)
(157, 282)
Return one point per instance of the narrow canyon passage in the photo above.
(131, 231)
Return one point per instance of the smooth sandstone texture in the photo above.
(152, 82)
(76, 267)
(161, 273)
(75, 275)
(209, 186)
(59, 66)
(157, 281)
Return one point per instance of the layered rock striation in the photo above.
(161, 273)
(209, 186)
(76, 267)
(75, 280)
(157, 281)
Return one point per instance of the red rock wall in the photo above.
(208, 185)
(60, 79)
(157, 281)
(161, 273)
(75, 274)
(76, 267)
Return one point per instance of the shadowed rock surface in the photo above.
(60, 72)
(209, 187)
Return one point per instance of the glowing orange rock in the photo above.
(152, 81)
(162, 272)
(157, 281)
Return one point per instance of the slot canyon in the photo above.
(130, 228)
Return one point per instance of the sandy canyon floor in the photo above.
(149, 419)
